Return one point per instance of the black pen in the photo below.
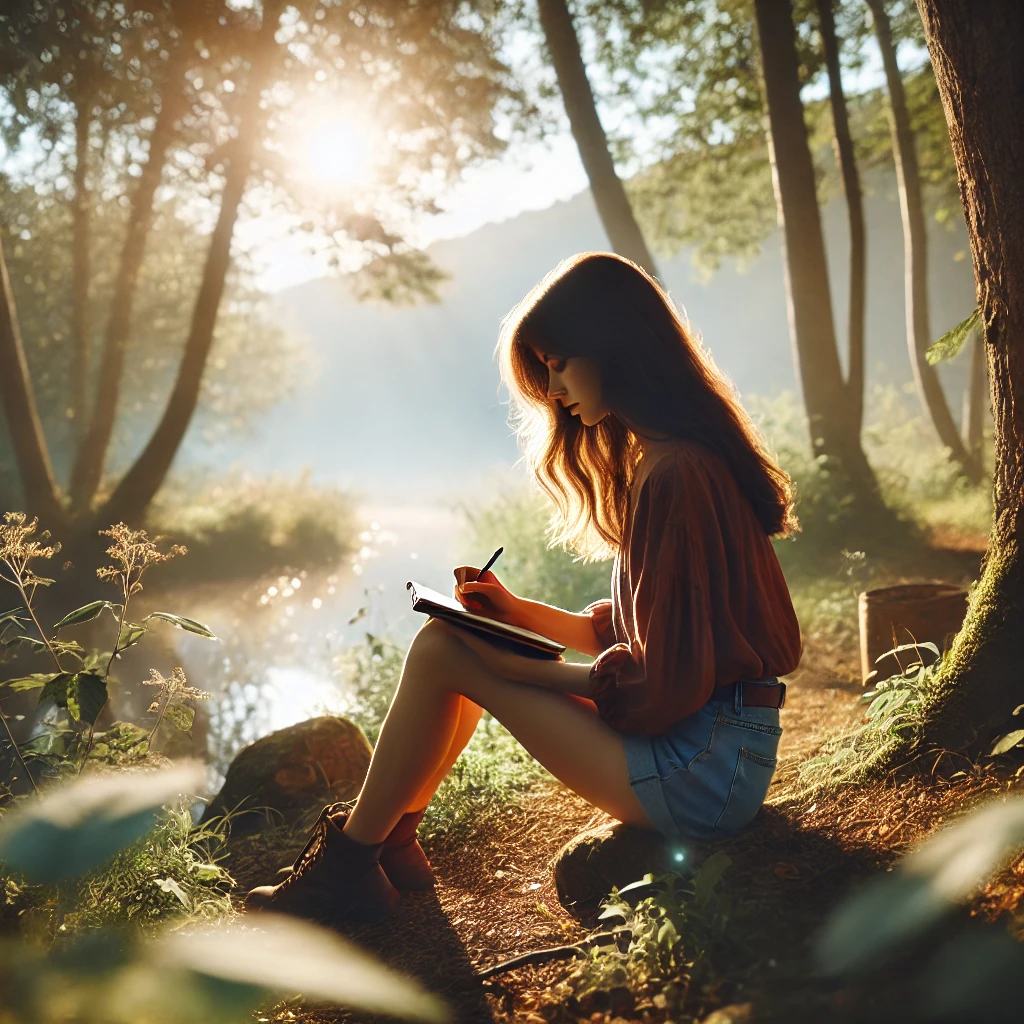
(490, 562)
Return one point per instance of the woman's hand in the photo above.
(488, 597)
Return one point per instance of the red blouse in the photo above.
(698, 598)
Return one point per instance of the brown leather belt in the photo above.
(766, 693)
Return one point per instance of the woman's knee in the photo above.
(435, 643)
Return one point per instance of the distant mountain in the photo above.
(404, 401)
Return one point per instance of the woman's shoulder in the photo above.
(683, 464)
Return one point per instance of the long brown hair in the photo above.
(657, 380)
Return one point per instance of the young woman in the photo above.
(628, 425)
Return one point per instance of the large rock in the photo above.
(280, 777)
(609, 856)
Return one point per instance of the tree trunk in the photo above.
(809, 302)
(30, 453)
(80, 210)
(854, 213)
(91, 456)
(915, 252)
(609, 196)
(978, 57)
(139, 485)
(972, 423)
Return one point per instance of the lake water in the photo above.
(279, 636)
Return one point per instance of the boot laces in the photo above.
(317, 840)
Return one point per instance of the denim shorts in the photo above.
(709, 774)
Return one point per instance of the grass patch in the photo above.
(169, 874)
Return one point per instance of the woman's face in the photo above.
(575, 383)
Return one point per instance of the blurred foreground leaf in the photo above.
(944, 871)
(78, 826)
(286, 955)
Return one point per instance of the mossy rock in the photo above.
(610, 856)
(280, 777)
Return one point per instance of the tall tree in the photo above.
(915, 252)
(89, 462)
(978, 56)
(431, 68)
(972, 422)
(807, 287)
(854, 212)
(610, 197)
(30, 452)
(139, 485)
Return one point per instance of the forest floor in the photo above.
(495, 896)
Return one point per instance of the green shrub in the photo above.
(240, 527)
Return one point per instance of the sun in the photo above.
(334, 151)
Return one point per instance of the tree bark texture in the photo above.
(972, 424)
(91, 456)
(854, 213)
(137, 488)
(915, 252)
(80, 217)
(977, 50)
(609, 195)
(30, 452)
(808, 300)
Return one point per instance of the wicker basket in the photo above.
(908, 613)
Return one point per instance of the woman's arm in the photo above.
(575, 630)
(552, 675)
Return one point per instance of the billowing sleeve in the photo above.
(667, 671)
(600, 613)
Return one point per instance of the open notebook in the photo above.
(523, 641)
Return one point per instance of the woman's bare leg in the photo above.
(469, 718)
(563, 732)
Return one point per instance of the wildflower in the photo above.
(134, 552)
(172, 700)
(173, 689)
(18, 549)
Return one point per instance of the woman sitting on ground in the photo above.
(631, 429)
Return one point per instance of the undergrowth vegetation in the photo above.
(239, 527)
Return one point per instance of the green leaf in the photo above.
(646, 880)
(30, 640)
(16, 615)
(32, 682)
(952, 341)
(208, 872)
(86, 613)
(1007, 742)
(57, 689)
(180, 717)
(183, 623)
(708, 875)
(131, 634)
(92, 695)
(78, 826)
(286, 955)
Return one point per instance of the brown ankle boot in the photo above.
(334, 878)
(402, 857)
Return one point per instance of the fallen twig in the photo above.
(543, 956)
